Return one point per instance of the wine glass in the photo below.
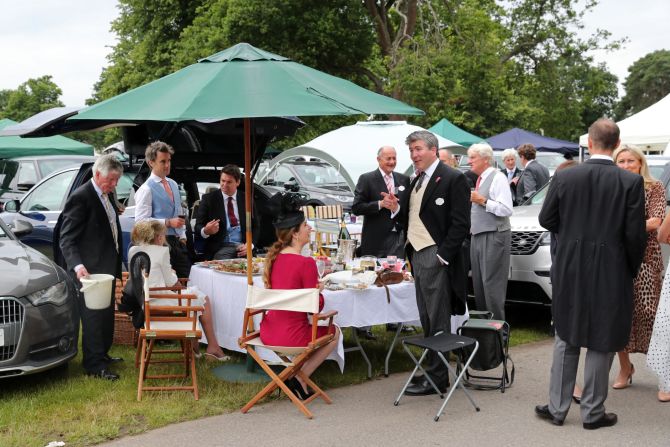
(320, 268)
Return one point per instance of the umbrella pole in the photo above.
(251, 366)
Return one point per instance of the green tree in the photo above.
(648, 82)
(31, 97)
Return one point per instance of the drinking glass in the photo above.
(391, 260)
(320, 268)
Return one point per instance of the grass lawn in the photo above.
(66, 405)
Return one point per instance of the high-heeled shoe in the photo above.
(663, 397)
(626, 383)
(294, 385)
(577, 399)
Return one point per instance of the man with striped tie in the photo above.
(90, 241)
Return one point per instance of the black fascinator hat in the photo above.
(286, 209)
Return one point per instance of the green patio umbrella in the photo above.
(242, 82)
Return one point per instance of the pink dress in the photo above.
(288, 328)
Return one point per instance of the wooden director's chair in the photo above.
(259, 301)
(177, 322)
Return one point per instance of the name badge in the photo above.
(439, 201)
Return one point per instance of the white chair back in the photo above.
(297, 300)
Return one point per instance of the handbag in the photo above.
(386, 277)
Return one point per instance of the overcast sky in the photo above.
(70, 39)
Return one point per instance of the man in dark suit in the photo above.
(512, 173)
(436, 218)
(90, 242)
(534, 176)
(596, 211)
(221, 218)
(382, 235)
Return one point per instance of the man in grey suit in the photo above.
(491, 232)
(534, 176)
(592, 274)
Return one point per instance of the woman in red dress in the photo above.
(286, 268)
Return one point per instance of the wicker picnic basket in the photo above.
(124, 331)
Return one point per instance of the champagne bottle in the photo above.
(344, 232)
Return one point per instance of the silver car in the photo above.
(530, 260)
(39, 322)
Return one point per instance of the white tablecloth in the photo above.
(356, 308)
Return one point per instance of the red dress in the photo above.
(288, 328)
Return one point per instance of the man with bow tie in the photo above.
(436, 218)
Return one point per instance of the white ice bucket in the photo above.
(97, 290)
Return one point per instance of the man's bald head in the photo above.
(604, 135)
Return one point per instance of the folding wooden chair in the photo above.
(326, 233)
(259, 301)
(179, 323)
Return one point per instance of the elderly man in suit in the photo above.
(90, 242)
(491, 232)
(221, 218)
(447, 157)
(596, 211)
(510, 170)
(159, 199)
(436, 219)
(534, 176)
(382, 235)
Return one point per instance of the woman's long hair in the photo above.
(284, 239)
(639, 155)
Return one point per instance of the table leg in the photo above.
(358, 347)
(390, 351)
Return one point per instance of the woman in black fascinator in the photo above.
(286, 268)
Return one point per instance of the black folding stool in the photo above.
(440, 343)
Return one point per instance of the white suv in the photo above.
(530, 260)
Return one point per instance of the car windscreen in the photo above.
(3, 231)
(53, 165)
(318, 174)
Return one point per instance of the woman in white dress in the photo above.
(658, 355)
(149, 237)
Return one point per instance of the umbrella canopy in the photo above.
(243, 82)
(514, 137)
(450, 131)
(12, 147)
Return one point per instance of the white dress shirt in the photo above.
(500, 197)
(143, 207)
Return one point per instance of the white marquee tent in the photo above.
(353, 149)
(648, 129)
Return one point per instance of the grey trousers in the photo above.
(564, 373)
(489, 262)
(433, 299)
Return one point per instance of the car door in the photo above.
(42, 206)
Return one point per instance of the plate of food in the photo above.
(235, 267)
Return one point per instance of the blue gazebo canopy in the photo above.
(514, 137)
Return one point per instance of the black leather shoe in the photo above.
(424, 388)
(607, 420)
(543, 412)
(109, 359)
(105, 374)
(368, 335)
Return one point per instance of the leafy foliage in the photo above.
(31, 97)
(648, 82)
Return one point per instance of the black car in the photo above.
(39, 322)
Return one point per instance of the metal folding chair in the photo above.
(440, 343)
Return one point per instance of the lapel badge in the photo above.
(439, 201)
